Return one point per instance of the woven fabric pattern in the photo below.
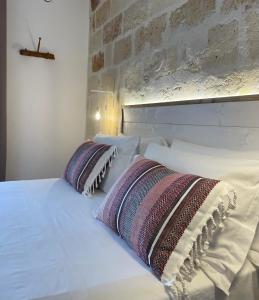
(151, 206)
(82, 163)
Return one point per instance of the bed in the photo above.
(51, 246)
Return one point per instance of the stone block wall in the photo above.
(164, 50)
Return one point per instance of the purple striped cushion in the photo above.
(83, 163)
(151, 208)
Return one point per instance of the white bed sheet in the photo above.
(52, 248)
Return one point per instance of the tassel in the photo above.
(200, 246)
(206, 245)
(207, 235)
(195, 251)
(90, 190)
(197, 262)
(115, 153)
(104, 171)
(232, 201)
(221, 226)
(191, 260)
(170, 282)
(184, 291)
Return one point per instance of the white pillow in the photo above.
(145, 141)
(185, 146)
(226, 257)
(188, 147)
(127, 148)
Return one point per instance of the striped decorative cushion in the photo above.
(87, 166)
(168, 218)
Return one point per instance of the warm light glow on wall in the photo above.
(103, 113)
(196, 100)
(98, 115)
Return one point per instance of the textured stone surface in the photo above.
(136, 14)
(164, 50)
(122, 50)
(92, 23)
(102, 13)
(113, 29)
(108, 80)
(132, 76)
(98, 62)
(108, 55)
(223, 45)
(192, 12)
(153, 64)
(118, 6)
(96, 41)
(157, 6)
(229, 5)
(223, 36)
(151, 34)
(93, 82)
(140, 39)
(94, 4)
(177, 17)
(161, 63)
(253, 35)
(155, 29)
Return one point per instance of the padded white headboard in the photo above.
(232, 125)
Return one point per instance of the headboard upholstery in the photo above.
(232, 125)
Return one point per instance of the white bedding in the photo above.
(52, 248)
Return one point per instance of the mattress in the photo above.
(51, 247)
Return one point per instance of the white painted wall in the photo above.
(45, 99)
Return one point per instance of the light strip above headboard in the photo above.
(244, 98)
(229, 122)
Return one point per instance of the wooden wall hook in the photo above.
(37, 53)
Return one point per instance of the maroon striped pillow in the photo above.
(87, 166)
(167, 217)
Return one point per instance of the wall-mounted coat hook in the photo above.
(37, 53)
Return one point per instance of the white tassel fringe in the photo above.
(91, 189)
(200, 246)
